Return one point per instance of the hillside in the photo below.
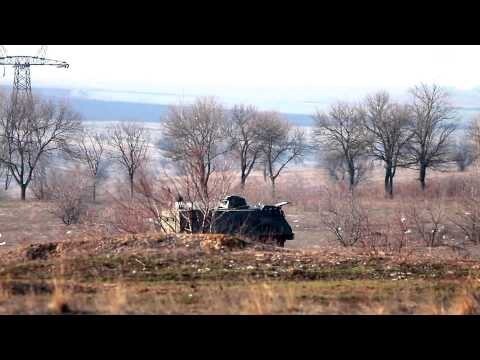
(210, 274)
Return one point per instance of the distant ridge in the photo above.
(100, 110)
(113, 110)
(94, 109)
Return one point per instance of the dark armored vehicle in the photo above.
(264, 223)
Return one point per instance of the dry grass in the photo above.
(93, 272)
(259, 298)
(155, 275)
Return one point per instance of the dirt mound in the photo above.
(115, 244)
(213, 242)
(221, 242)
(130, 243)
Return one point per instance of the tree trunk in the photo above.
(23, 189)
(389, 181)
(351, 173)
(94, 191)
(391, 186)
(423, 173)
(242, 182)
(273, 187)
(131, 186)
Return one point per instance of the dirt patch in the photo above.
(217, 242)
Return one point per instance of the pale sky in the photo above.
(288, 77)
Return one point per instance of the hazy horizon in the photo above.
(291, 79)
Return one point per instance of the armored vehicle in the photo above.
(264, 223)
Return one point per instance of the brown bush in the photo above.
(125, 215)
(343, 216)
(391, 236)
(144, 211)
(466, 216)
(68, 191)
(429, 222)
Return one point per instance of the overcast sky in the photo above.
(287, 77)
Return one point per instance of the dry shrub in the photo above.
(466, 216)
(144, 211)
(343, 216)
(125, 215)
(69, 191)
(346, 217)
(154, 198)
(392, 236)
(429, 222)
(204, 195)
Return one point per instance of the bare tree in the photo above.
(280, 144)
(129, 141)
(93, 152)
(341, 134)
(245, 142)
(431, 124)
(31, 129)
(388, 124)
(193, 138)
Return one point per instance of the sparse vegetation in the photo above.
(354, 248)
(68, 191)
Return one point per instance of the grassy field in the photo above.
(155, 274)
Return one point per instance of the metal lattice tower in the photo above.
(22, 84)
(21, 80)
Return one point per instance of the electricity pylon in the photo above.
(22, 83)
